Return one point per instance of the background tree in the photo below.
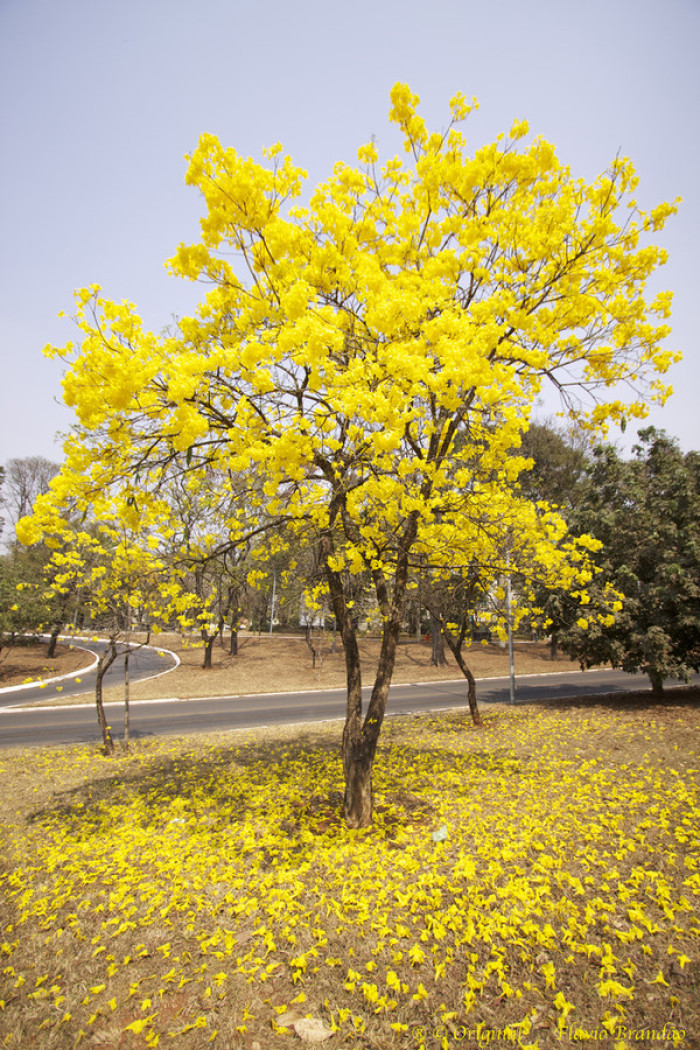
(560, 457)
(123, 578)
(24, 480)
(646, 512)
(24, 608)
(369, 361)
(215, 572)
(28, 607)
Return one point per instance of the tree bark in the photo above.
(127, 696)
(358, 754)
(53, 640)
(657, 684)
(105, 662)
(235, 619)
(360, 738)
(357, 759)
(455, 645)
(437, 657)
(209, 640)
(310, 644)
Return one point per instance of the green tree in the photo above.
(558, 475)
(646, 512)
(26, 606)
(560, 458)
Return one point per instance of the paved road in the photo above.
(143, 663)
(62, 725)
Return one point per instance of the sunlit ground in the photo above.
(534, 880)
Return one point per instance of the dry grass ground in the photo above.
(24, 663)
(269, 665)
(534, 884)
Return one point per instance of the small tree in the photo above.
(119, 572)
(369, 361)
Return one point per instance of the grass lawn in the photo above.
(528, 884)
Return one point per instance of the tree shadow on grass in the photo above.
(295, 785)
(629, 700)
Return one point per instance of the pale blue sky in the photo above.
(101, 100)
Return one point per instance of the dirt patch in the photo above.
(29, 663)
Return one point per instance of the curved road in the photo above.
(78, 724)
(147, 662)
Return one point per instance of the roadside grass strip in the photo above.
(535, 879)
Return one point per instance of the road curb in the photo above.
(37, 683)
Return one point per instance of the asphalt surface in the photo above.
(143, 663)
(21, 727)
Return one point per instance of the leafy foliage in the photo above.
(646, 512)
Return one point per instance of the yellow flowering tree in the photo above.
(363, 365)
(123, 579)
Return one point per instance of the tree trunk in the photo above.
(657, 684)
(53, 640)
(127, 696)
(437, 657)
(358, 759)
(209, 640)
(456, 650)
(233, 644)
(310, 643)
(105, 662)
(360, 738)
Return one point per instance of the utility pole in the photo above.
(510, 630)
(272, 610)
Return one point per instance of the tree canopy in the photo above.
(646, 512)
(360, 373)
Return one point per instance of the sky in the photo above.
(100, 102)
